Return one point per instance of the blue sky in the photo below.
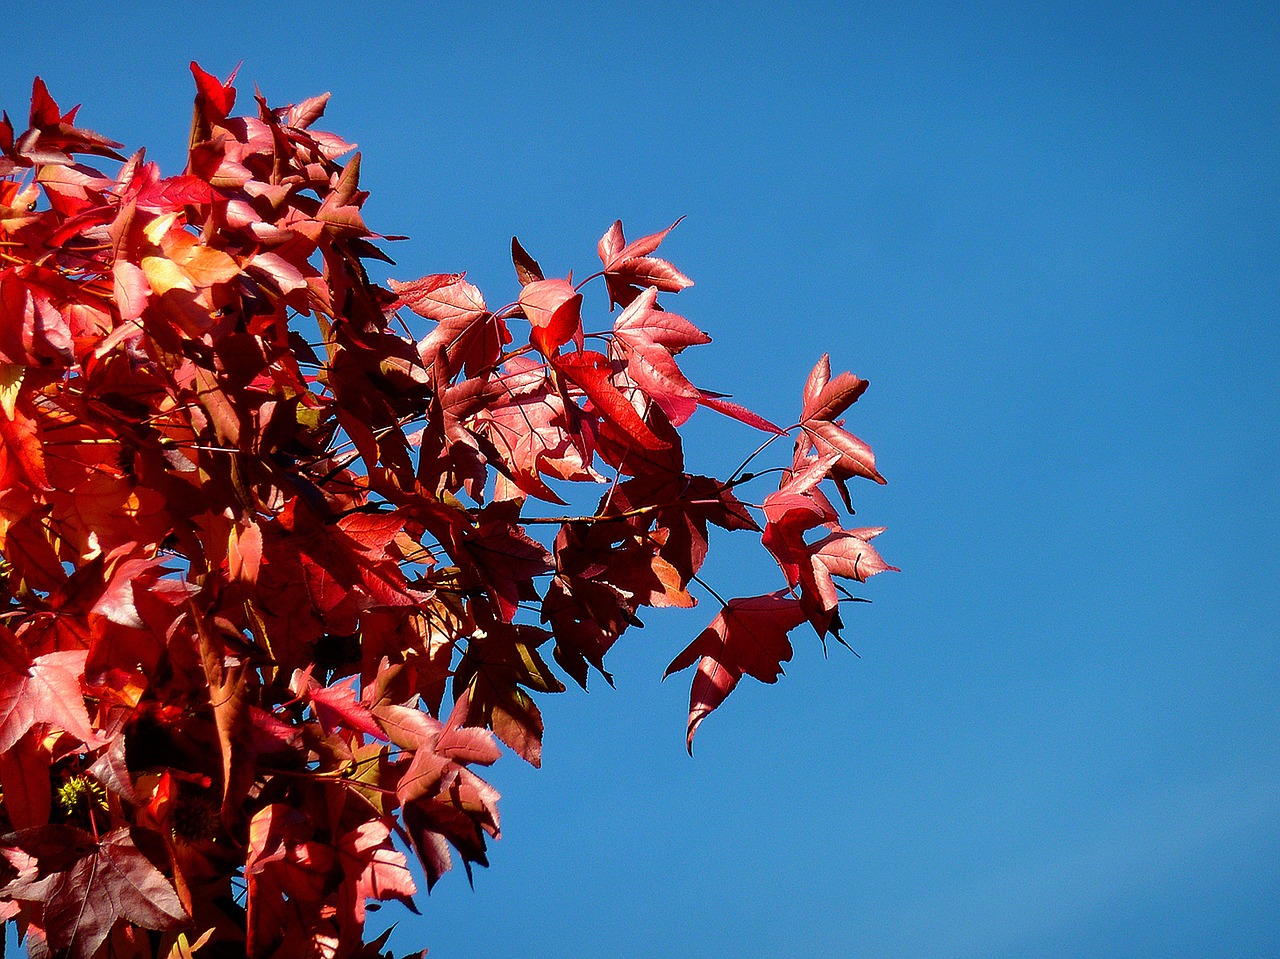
(1050, 237)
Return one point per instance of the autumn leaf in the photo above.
(336, 705)
(554, 309)
(42, 690)
(500, 660)
(649, 339)
(747, 636)
(825, 399)
(124, 885)
(628, 268)
(527, 268)
(592, 372)
(218, 95)
(466, 333)
(374, 868)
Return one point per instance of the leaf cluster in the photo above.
(279, 573)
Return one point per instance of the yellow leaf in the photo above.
(10, 382)
(164, 275)
(155, 230)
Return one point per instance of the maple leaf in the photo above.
(24, 775)
(847, 553)
(681, 505)
(125, 886)
(593, 373)
(649, 338)
(505, 557)
(335, 705)
(374, 868)
(554, 309)
(217, 95)
(44, 690)
(443, 802)
(796, 507)
(526, 423)
(747, 636)
(628, 268)
(466, 333)
(824, 400)
(498, 661)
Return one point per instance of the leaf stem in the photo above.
(703, 583)
(745, 463)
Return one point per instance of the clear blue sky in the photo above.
(1049, 235)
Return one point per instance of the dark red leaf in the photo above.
(747, 636)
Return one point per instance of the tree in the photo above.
(274, 575)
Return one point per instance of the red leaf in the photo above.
(335, 705)
(87, 887)
(739, 413)
(849, 553)
(747, 636)
(377, 869)
(219, 94)
(592, 373)
(467, 334)
(497, 663)
(44, 690)
(825, 399)
(649, 339)
(44, 110)
(527, 268)
(555, 311)
(628, 265)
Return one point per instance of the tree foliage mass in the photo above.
(280, 565)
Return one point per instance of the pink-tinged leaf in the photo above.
(425, 298)
(849, 553)
(856, 458)
(739, 413)
(379, 871)
(655, 372)
(651, 271)
(805, 475)
(467, 334)
(111, 882)
(554, 310)
(174, 193)
(302, 115)
(818, 378)
(44, 690)
(641, 322)
(834, 398)
(284, 276)
(842, 553)
(611, 243)
(614, 249)
(336, 705)
(648, 338)
(628, 265)
(131, 289)
(747, 636)
(466, 744)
